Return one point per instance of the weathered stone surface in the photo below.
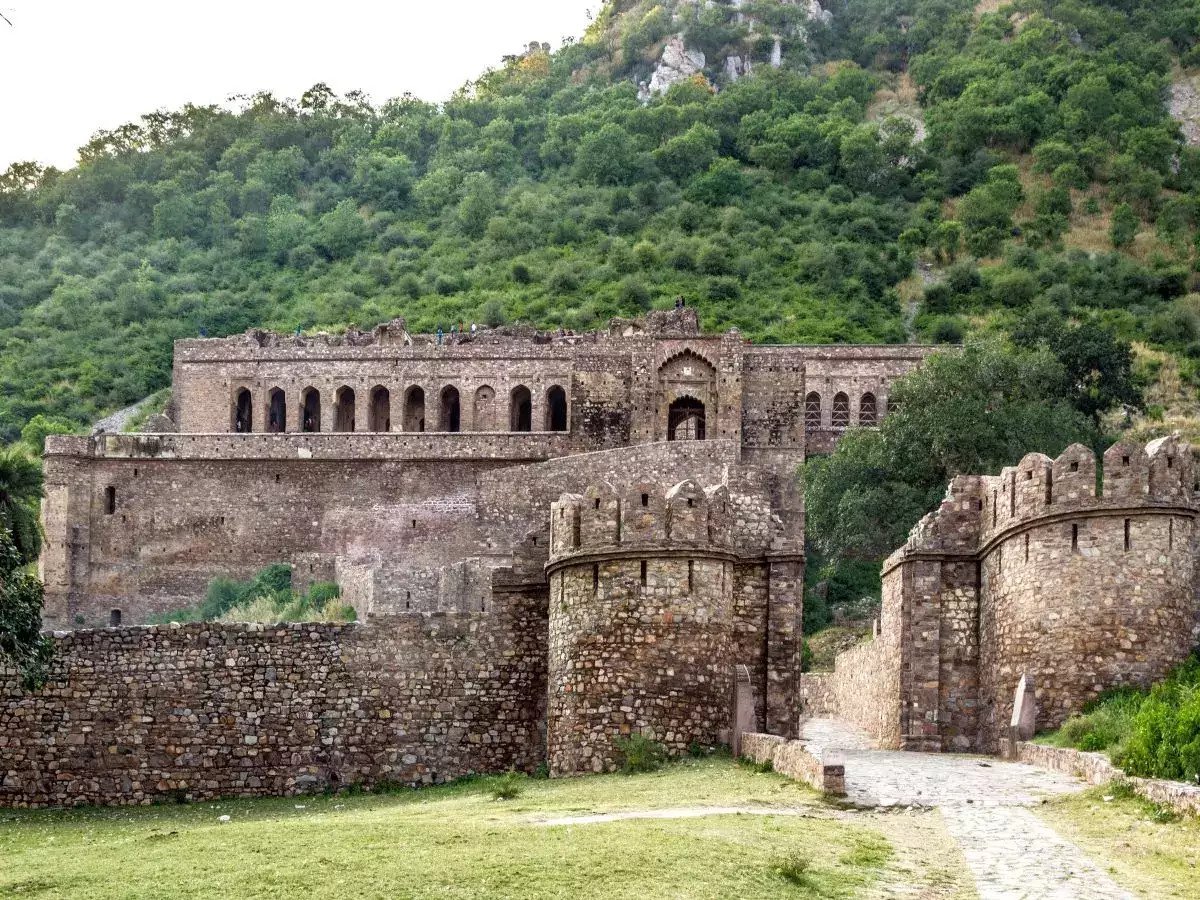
(1039, 571)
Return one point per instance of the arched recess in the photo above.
(381, 409)
(311, 415)
(868, 410)
(276, 411)
(812, 411)
(685, 420)
(344, 418)
(243, 411)
(520, 409)
(484, 418)
(556, 409)
(414, 409)
(687, 381)
(450, 414)
(841, 411)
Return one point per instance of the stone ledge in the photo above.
(795, 760)
(1096, 768)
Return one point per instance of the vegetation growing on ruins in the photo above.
(267, 597)
(1153, 733)
(786, 203)
(458, 841)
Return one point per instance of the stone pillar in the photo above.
(785, 612)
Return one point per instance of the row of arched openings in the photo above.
(868, 411)
(379, 410)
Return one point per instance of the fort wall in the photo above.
(141, 715)
(1083, 583)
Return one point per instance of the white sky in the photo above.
(71, 67)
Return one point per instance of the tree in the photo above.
(21, 600)
(20, 493)
(970, 412)
(686, 154)
(1125, 224)
(606, 156)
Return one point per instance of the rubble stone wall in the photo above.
(140, 715)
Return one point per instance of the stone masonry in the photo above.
(552, 541)
(1081, 582)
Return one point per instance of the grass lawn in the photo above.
(458, 841)
(1141, 848)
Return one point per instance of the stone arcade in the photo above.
(551, 541)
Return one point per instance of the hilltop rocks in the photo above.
(1185, 108)
(678, 64)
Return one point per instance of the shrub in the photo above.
(508, 786)
(637, 753)
(793, 867)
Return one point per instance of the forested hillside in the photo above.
(877, 170)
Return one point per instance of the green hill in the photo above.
(880, 170)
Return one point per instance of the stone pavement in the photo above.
(1011, 853)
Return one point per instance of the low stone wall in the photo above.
(795, 760)
(1096, 768)
(139, 715)
(818, 694)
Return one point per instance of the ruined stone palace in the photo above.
(552, 542)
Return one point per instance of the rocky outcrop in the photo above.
(1184, 105)
(678, 64)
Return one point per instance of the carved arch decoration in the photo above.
(686, 377)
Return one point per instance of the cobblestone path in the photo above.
(1011, 853)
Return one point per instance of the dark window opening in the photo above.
(520, 409)
(812, 411)
(556, 409)
(114, 619)
(1170, 462)
(414, 409)
(685, 420)
(1127, 536)
(277, 411)
(841, 411)
(868, 410)
(311, 400)
(1075, 537)
(595, 580)
(381, 409)
(243, 412)
(1074, 467)
(691, 575)
(1171, 534)
(1049, 487)
(344, 418)
(645, 499)
(1026, 548)
(643, 573)
(597, 503)
(110, 500)
(1124, 460)
(450, 414)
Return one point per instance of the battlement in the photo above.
(980, 509)
(640, 519)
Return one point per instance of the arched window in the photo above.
(520, 409)
(685, 420)
(868, 410)
(414, 409)
(381, 409)
(243, 412)
(556, 409)
(311, 399)
(450, 416)
(485, 409)
(812, 411)
(277, 411)
(841, 411)
(344, 418)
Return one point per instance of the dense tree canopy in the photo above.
(784, 203)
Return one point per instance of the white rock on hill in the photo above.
(678, 64)
(1185, 107)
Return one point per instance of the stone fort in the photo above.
(552, 542)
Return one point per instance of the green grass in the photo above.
(1154, 854)
(453, 841)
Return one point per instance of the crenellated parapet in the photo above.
(981, 510)
(642, 519)
(1075, 572)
